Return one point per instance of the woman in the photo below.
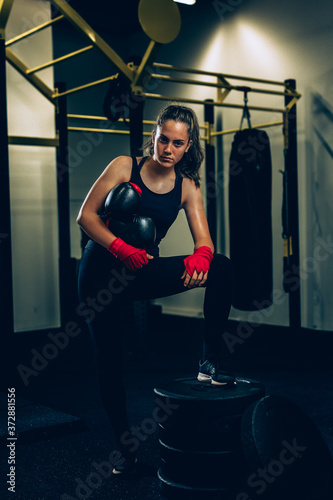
(169, 181)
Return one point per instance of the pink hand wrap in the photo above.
(199, 260)
(133, 258)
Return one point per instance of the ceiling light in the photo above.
(187, 2)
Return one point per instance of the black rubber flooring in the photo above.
(70, 439)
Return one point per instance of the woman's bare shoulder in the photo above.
(189, 186)
(121, 161)
(189, 183)
(190, 191)
(120, 168)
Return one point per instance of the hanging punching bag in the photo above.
(250, 200)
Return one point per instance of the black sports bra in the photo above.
(162, 208)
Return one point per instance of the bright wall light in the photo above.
(214, 51)
(259, 47)
(187, 2)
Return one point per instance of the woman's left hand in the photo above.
(197, 267)
(194, 280)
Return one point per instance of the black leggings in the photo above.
(106, 285)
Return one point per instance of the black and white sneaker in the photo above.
(210, 371)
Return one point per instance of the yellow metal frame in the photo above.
(141, 71)
(214, 73)
(18, 38)
(113, 131)
(59, 59)
(219, 85)
(22, 68)
(234, 130)
(213, 103)
(224, 87)
(138, 75)
(33, 141)
(84, 87)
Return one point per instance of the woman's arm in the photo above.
(196, 217)
(203, 245)
(119, 170)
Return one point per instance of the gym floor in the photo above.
(53, 466)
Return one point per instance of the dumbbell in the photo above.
(120, 211)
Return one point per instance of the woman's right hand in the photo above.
(133, 258)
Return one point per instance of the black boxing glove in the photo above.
(145, 231)
(140, 232)
(120, 207)
(122, 201)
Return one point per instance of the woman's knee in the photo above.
(220, 273)
(222, 263)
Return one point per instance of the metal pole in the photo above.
(290, 159)
(6, 284)
(63, 206)
(210, 173)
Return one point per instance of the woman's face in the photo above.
(171, 141)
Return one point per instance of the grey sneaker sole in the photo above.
(202, 377)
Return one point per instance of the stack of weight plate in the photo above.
(200, 438)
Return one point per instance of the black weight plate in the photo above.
(210, 433)
(217, 469)
(287, 454)
(200, 421)
(192, 395)
(179, 491)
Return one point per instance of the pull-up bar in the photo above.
(217, 74)
(59, 59)
(34, 30)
